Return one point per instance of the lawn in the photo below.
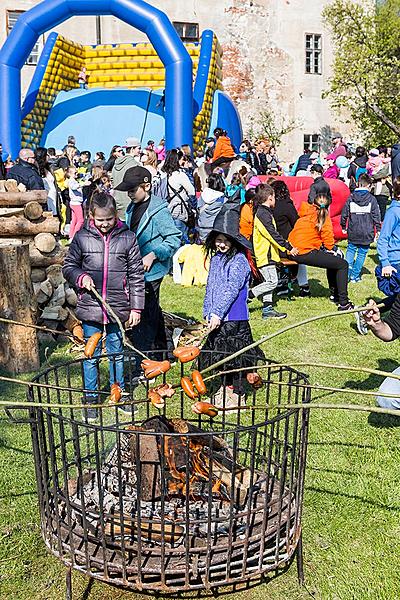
(351, 505)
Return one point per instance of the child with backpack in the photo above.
(104, 255)
(267, 243)
(210, 203)
(360, 219)
(178, 191)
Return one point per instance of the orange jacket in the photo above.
(223, 147)
(246, 222)
(305, 236)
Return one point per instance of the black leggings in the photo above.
(336, 270)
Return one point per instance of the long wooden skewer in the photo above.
(41, 328)
(118, 321)
(270, 336)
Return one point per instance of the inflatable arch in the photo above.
(137, 13)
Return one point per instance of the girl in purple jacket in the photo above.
(225, 304)
(105, 256)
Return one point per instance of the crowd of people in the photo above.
(128, 215)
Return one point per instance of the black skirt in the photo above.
(229, 338)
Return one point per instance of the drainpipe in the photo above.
(98, 30)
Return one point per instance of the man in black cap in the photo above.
(150, 219)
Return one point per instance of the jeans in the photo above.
(355, 256)
(183, 228)
(336, 270)
(113, 345)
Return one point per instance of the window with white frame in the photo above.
(311, 141)
(188, 32)
(12, 18)
(314, 53)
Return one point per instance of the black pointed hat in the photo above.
(227, 221)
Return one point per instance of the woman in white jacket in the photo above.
(179, 187)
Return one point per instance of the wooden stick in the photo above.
(306, 364)
(41, 328)
(270, 336)
(118, 320)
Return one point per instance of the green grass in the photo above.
(351, 505)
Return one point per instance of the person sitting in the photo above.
(26, 172)
(223, 151)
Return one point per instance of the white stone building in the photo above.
(276, 52)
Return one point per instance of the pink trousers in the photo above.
(76, 219)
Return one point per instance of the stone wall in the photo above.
(264, 55)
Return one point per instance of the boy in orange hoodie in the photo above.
(313, 236)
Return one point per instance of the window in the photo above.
(12, 18)
(311, 141)
(188, 32)
(314, 53)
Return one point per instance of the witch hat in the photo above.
(227, 222)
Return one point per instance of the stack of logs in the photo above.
(23, 220)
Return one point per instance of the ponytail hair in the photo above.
(322, 203)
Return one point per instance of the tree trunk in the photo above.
(33, 211)
(22, 226)
(19, 352)
(22, 198)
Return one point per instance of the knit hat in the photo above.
(227, 222)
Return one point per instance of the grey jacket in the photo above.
(121, 165)
(209, 205)
(115, 265)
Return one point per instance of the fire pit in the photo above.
(173, 501)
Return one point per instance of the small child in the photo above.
(105, 256)
(267, 245)
(225, 304)
(360, 218)
(376, 162)
(75, 201)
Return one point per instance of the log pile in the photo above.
(23, 220)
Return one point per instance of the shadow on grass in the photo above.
(384, 421)
(372, 382)
(319, 490)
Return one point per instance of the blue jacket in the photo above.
(24, 172)
(389, 240)
(227, 288)
(395, 161)
(156, 233)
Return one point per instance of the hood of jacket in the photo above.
(362, 197)
(209, 196)
(125, 162)
(395, 150)
(361, 161)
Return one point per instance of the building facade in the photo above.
(277, 57)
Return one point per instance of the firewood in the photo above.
(58, 297)
(71, 297)
(2, 186)
(33, 210)
(54, 313)
(45, 242)
(54, 274)
(38, 275)
(144, 451)
(11, 212)
(45, 292)
(19, 225)
(21, 198)
(11, 185)
(21, 187)
(45, 260)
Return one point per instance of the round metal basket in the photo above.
(173, 501)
